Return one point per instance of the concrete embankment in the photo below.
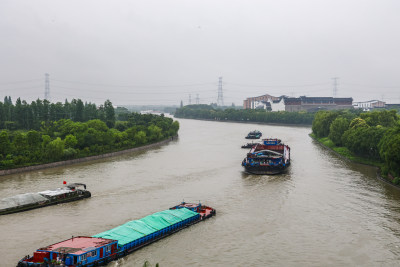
(85, 159)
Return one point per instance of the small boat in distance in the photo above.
(113, 244)
(269, 157)
(254, 135)
(28, 201)
(249, 145)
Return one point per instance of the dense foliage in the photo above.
(373, 135)
(251, 115)
(62, 139)
(22, 115)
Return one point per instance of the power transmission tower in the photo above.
(197, 99)
(46, 87)
(335, 85)
(220, 100)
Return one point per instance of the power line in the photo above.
(277, 86)
(23, 88)
(371, 86)
(132, 93)
(27, 81)
(132, 86)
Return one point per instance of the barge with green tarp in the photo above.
(115, 243)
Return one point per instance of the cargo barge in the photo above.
(102, 248)
(28, 201)
(269, 157)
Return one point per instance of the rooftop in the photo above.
(78, 245)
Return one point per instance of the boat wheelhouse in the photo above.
(27, 201)
(76, 251)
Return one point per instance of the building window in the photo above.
(94, 253)
(83, 257)
(108, 248)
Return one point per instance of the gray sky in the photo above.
(160, 51)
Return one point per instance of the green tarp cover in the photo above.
(136, 229)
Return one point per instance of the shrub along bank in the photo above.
(209, 112)
(66, 139)
(370, 137)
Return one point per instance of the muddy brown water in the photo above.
(323, 212)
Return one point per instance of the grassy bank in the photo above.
(345, 152)
(348, 155)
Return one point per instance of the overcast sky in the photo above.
(162, 51)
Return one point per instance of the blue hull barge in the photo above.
(268, 157)
(113, 244)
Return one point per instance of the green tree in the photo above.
(55, 149)
(79, 110)
(154, 133)
(109, 114)
(358, 123)
(337, 129)
(384, 118)
(140, 137)
(364, 140)
(70, 141)
(322, 122)
(20, 143)
(5, 144)
(33, 139)
(389, 150)
(45, 140)
(97, 125)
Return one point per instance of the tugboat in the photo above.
(249, 145)
(113, 244)
(28, 201)
(254, 135)
(269, 157)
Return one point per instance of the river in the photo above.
(323, 212)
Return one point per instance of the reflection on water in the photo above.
(324, 211)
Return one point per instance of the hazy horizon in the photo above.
(159, 52)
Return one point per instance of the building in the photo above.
(303, 103)
(368, 105)
(254, 102)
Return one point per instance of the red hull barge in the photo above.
(113, 244)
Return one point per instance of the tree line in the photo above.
(23, 115)
(209, 112)
(66, 138)
(373, 135)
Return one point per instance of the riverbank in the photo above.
(345, 154)
(85, 159)
(252, 122)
